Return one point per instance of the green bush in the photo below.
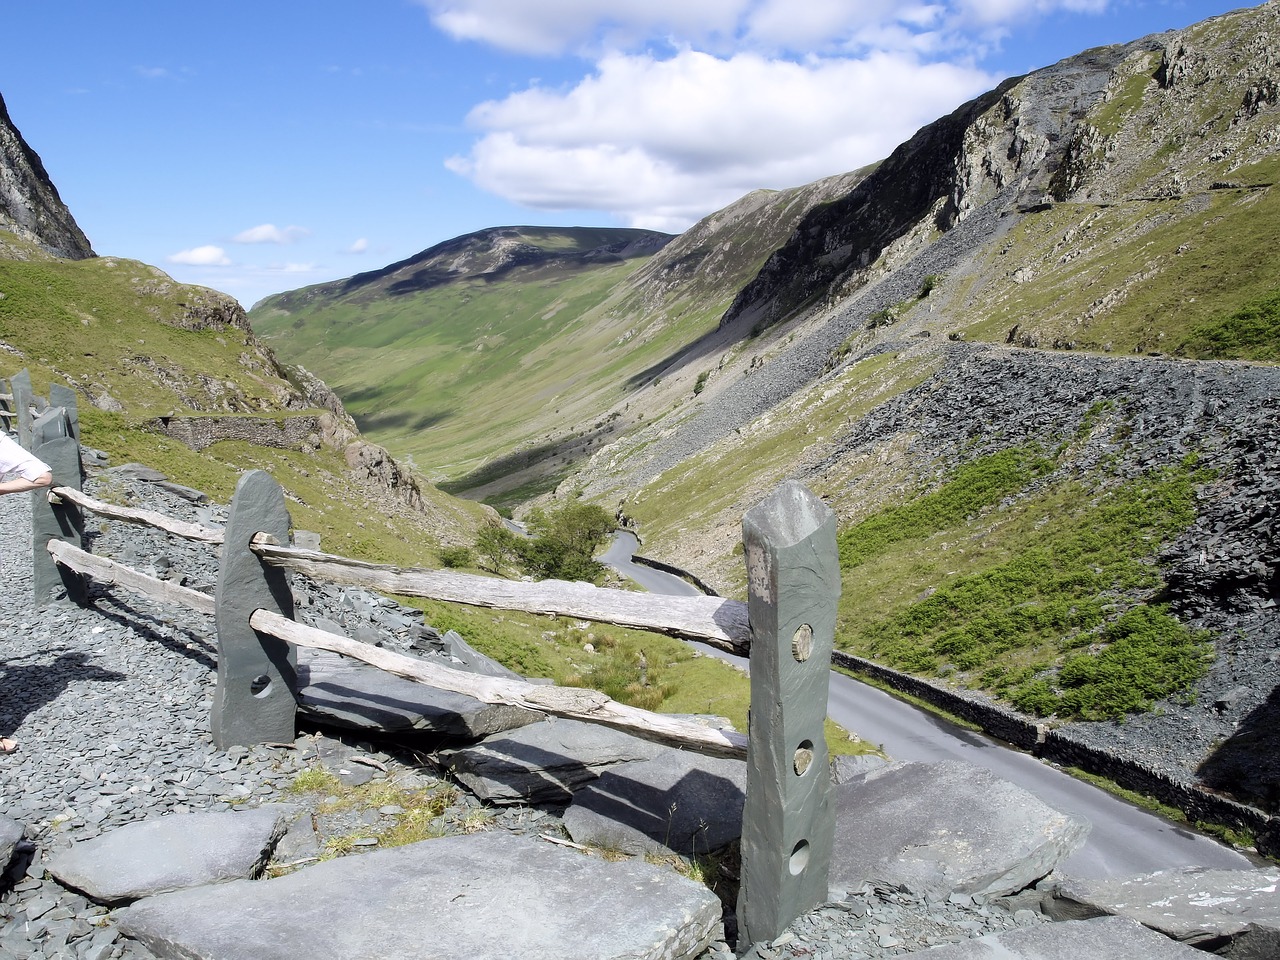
(701, 383)
(454, 557)
(564, 542)
(1054, 596)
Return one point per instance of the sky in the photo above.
(258, 146)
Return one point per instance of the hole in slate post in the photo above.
(260, 686)
(799, 858)
(803, 757)
(802, 643)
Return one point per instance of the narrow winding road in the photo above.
(1124, 839)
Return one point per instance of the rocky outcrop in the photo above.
(29, 203)
(1044, 138)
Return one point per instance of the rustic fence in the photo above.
(794, 578)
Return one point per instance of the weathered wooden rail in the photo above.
(793, 580)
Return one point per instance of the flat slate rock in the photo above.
(10, 833)
(1194, 905)
(682, 802)
(543, 762)
(1112, 938)
(347, 693)
(935, 829)
(491, 895)
(171, 853)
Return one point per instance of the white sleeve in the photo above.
(14, 459)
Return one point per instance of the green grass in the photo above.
(976, 486)
(677, 679)
(1251, 333)
(716, 486)
(1046, 600)
(1144, 276)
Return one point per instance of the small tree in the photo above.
(499, 546)
(565, 540)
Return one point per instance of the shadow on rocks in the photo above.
(26, 687)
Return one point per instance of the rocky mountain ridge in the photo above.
(29, 203)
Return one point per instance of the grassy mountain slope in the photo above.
(495, 371)
(998, 356)
(136, 345)
(1120, 203)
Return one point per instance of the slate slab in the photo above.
(681, 802)
(491, 895)
(936, 829)
(543, 762)
(10, 833)
(170, 853)
(1194, 905)
(346, 693)
(1112, 938)
(471, 660)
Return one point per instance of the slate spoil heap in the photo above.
(128, 835)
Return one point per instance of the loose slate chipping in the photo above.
(1113, 937)
(171, 853)
(484, 896)
(944, 828)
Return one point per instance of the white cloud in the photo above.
(670, 140)
(270, 233)
(360, 246)
(206, 256)
(291, 268)
(552, 27)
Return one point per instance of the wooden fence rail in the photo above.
(792, 577)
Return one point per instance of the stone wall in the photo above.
(286, 433)
(1060, 747)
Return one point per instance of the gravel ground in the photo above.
(110, 705)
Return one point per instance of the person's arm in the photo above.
(21, 484)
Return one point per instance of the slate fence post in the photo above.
(20, 387)
(255, 700)
(788, 828)
(54, 437)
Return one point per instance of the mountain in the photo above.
(30, 207)
(174, 376)
(1029, 359)
(495, 360)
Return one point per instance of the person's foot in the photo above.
(8, 746)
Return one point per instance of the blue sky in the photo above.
(257, 146)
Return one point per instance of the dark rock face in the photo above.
(29, 203)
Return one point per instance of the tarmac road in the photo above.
(1124, 839)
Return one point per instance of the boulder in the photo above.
(1207, 908)
(935, 829)
(347, 693)
(491, 895)
(681, 802)
(543, 762)
(170, 853)
(1113, 937)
